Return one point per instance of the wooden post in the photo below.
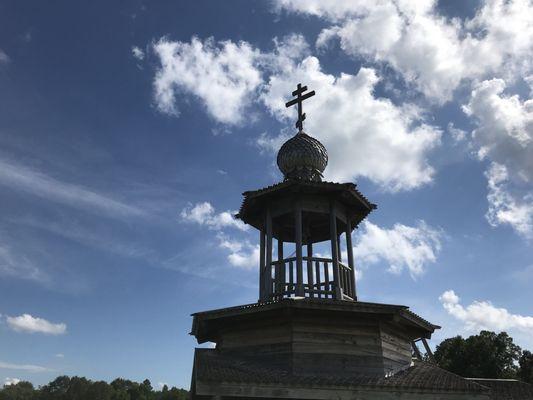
(310, 280)
(339, 248)
(282, 278)
(262, 266)
(349, 250)
(298, 238)
(334, 250)
(268, 269)
(317, 278)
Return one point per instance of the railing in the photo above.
(317, 280)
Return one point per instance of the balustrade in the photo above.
(317, 279)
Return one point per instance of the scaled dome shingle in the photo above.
(302, 157)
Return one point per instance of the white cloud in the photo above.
(504, 207)
(358, 129)
(137, 53)
(432, 52)
(11, 381)
(242, 253)
(30, 324)
(23, 367)
(402, 247)
(458, 135)
(60, 355)
(345, 114)
(39, 184)
(222, 75)
(483, 315)
(504, 131)
(204, 214)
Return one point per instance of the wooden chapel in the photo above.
(309, 336)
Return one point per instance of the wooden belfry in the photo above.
(304, 211)
(309, 336)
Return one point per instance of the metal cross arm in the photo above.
(298, 100)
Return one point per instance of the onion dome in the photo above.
(302, 157)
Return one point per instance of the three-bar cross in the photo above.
(298, 100)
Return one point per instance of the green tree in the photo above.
(56, 390)
(19, 391)
(525, 372)
(486, 355)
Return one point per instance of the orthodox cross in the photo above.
(298, 100)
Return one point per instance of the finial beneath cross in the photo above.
(298, 100)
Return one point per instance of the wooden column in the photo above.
(339, 248)
(298, 240)
(262, 266)
(268, 269)
(334, 250)
(310, 280)
(282, 278)
(349, 250)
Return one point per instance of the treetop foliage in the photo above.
(486, 355)
(76, 388)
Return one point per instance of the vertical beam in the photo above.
(349, 250)
(334, 250)
(268, 269)
(339, 248)
(262, 265)
(282, 278)
(317, 278)
(310, 280)
(298, 237)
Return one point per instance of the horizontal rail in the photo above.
(305, 258)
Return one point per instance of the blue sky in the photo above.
(129, 131)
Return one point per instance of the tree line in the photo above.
(76, 388)
(485, 355)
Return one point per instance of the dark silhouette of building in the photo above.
(308, 336)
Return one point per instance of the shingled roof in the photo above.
(346, 193)
(214, 366)
(506, 389)
(401, 311)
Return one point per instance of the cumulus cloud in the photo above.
(137, 53)
(504, 207)
(29, 324)
(204, 214)
(484, 315)
(242, 253)
(403, 247)
(458, 135)
(432, 52)
(504, 127)
(11, 381)
(358, 129)
(222, 75)
(346, 115)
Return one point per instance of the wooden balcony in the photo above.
(317, 279)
